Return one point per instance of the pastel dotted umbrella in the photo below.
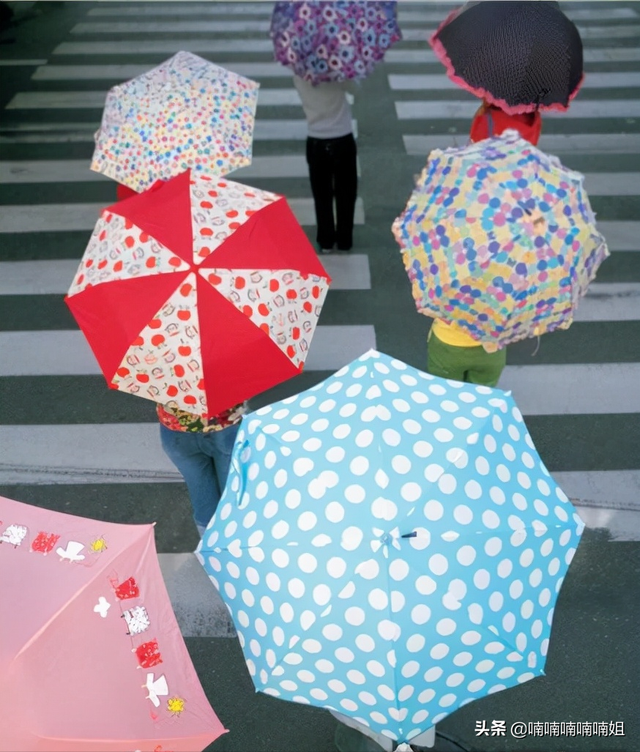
(390, 546)
(500, 239)
(91, 655)
(199, 293)
(185, 114)
(323, 42)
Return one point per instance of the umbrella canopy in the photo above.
(200, 292)
(333, 41)
(91, 655)
(520, 56)
(499, 238)
(390, 545)
(186, 113)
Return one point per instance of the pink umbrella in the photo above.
(91, 655)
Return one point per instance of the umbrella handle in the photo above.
(240, 467)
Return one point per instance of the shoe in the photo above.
(325, 250)
(344, 248)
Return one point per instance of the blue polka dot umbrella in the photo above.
(390, 546)
(500, 239)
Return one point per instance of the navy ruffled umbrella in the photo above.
(519, 56)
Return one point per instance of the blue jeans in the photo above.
(203, 459)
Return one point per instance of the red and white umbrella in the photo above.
(200, 292)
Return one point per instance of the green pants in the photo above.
(472, 364)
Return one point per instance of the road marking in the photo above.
(169, 27)
(452, 109)
(349, 271)
(125, 72)
(48, 138)
(37, 100)
(77, 170)
(29, 133)
(168, 46)
(621, 236)
(71, 217)
(611, 489)
(170, 9)
(437, 81)
(551, 389)
(565, 143)
(22, 63)
(613, 183)
(610, 301)
(405, 56)
(60, 353)
(420, 34)
(45, 126)
(405, 16)
(117, 453)
(198, 606)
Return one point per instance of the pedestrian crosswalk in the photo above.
(601, 123)
(579, 394)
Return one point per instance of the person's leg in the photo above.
(320, 177)
(486, 368)
(219, 446)
(345, 188)
(446, 361)
(196, 468)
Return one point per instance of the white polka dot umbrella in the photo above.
(186, 113)
(390, 545)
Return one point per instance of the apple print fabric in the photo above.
(199, 293)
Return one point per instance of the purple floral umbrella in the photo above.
(333, 41)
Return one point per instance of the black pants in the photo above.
(333, 175)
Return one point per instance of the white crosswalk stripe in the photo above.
(283, 166)
(164, 46)
(437, 81)
(585, 14)
(407, 56)
(170, 9)
(78, 216)
(77, 171)
(162, 27)
(265, 130)
(60, 353)
(580, 109)
(57, 100)
(349, 271)
(563, 143)
(421, 34)
(125, 72)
